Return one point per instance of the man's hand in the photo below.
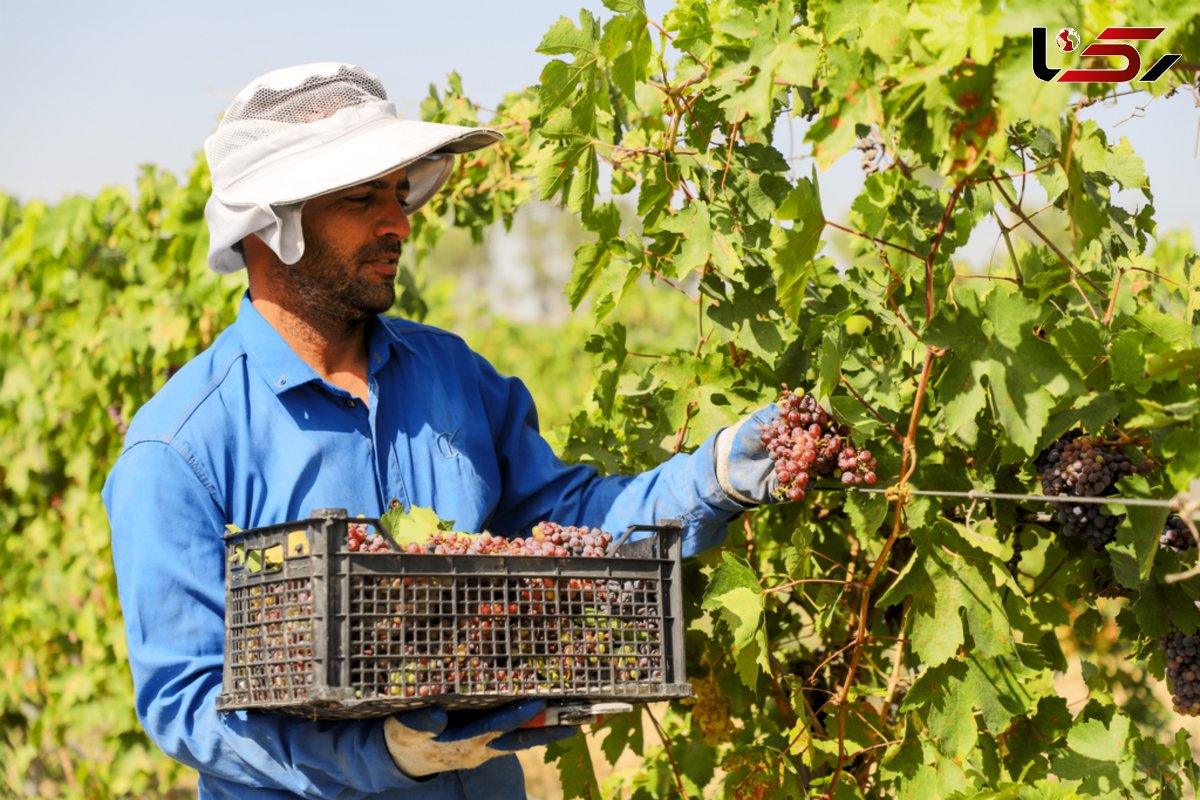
(425, 741)
(744, 468)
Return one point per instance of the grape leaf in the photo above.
(414, 524)
(575, 770)
(1098, 756)
(736, 595)
(995, 341)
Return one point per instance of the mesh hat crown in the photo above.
(304, 131)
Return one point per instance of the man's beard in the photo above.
(329, 284)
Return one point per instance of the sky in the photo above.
(92, 90)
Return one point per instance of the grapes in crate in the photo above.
(805, 444)
(548, 539)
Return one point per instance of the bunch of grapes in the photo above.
(548, 539)
(1182, 654)
(359, 538)
(804, 443)
(1176, 535)
(1084, 466)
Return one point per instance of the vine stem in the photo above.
(897, 663)
(1112, 300)
(662, 735)
(869, 408)
(908, 465)
(1004, 177)
(883, 242)
(1016, 209)
(689, 412)
(803, 581)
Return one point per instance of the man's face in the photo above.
(352, 241)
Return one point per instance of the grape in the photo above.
(804, 443)
(1176, 535)
(548, 539)
(1083, 466)
(1182, 654)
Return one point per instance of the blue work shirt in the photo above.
(248, 434)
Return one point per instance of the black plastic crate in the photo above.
(315, 630)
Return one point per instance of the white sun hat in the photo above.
(304, 131)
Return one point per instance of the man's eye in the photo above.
(358, 198)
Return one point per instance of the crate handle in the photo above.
(665, 525)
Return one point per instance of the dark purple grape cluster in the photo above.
(805, 444)
(1084, 466)
(1182, 654)
(1176, 535)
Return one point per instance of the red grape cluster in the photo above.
(1085, 466)
(804, 443)
(359, 538)
(1176, 535)
(1182, 654)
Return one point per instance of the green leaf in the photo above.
(576, 773)
(413, 525)
(1098, 756)
(590, 260)
(623, 734)
(736, 595)
(581, 194)
(1170, 330)
(1098, 741)
(996, 342)
(693, 224)
(833, 350)
(957, 584)
(1138, 534)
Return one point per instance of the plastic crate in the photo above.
(315, 630)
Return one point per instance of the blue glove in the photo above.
(744, 468)
(424, 741)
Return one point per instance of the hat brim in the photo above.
(361, 155)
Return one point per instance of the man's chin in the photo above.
(376, 302)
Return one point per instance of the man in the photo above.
(312, 400)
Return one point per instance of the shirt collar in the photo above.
(279, 364)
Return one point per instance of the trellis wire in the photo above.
(974, 495)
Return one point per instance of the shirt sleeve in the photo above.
(538, 486)
(169, 557)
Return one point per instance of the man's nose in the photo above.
(394, 221)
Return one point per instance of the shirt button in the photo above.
(351, 403)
